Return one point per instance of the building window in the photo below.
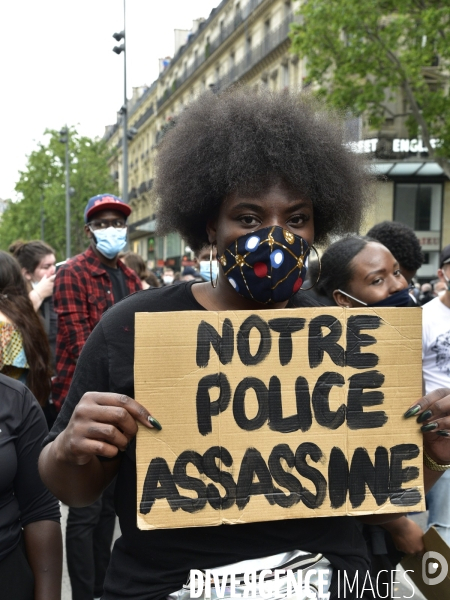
(419, 205)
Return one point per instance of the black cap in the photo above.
(445, 256)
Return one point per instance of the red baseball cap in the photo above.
(105, 202)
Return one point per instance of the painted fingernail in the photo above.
(443, 433)
(156, 424)
(424, 416)
(411, 412)
(429, 427)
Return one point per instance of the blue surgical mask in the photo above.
(205, 270)
(110, 241)
(399, 299)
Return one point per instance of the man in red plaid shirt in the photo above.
(85, 287)
(90, 283)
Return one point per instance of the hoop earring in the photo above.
(211, 269)
(318, 276)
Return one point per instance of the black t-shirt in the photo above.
(147, 565)
(50, 319)
(119, 286)
(24, 498)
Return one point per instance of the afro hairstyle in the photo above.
(242, 142)
(401, 241)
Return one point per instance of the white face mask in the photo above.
(447, 280)
(168, 279)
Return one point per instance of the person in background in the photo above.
(206, 263)
(189, 274)
(403, 243)
(136, 263)
(358, 272)
(168, 276)
(414, 292)
(37, 260)
(30, 532)
(439, 288)
(152, 280)
(24, 349)
(426, 294)
(436, 374)
(85, 287)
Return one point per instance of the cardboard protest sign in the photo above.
(275, 414)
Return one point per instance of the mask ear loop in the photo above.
(320, 271)
(211, 269)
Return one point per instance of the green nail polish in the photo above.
(429, 427)
(156, 424)
(424, 416)
(443, 433)
(411, 412)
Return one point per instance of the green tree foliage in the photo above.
(42, 185)
(361, 53)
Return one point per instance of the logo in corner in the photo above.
(434, 568)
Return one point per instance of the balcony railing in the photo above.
(272, 40)
(210, 47)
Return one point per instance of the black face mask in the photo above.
(267, 265)
(399, 299)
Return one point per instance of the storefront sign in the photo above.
(429, 240)
(277, 414)
(398, 145)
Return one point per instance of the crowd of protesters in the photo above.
(78, 362)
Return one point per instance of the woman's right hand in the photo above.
(45, 287)
(102, 424)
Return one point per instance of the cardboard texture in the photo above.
(275, 414)
(431, 574)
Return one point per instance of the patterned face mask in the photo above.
(267, 265)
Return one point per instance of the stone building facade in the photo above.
(247, 41)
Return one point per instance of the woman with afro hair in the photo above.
(260, 178)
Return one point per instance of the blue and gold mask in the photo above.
(267, 265)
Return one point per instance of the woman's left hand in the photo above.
(433, 415)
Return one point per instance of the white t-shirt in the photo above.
(436, 345)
